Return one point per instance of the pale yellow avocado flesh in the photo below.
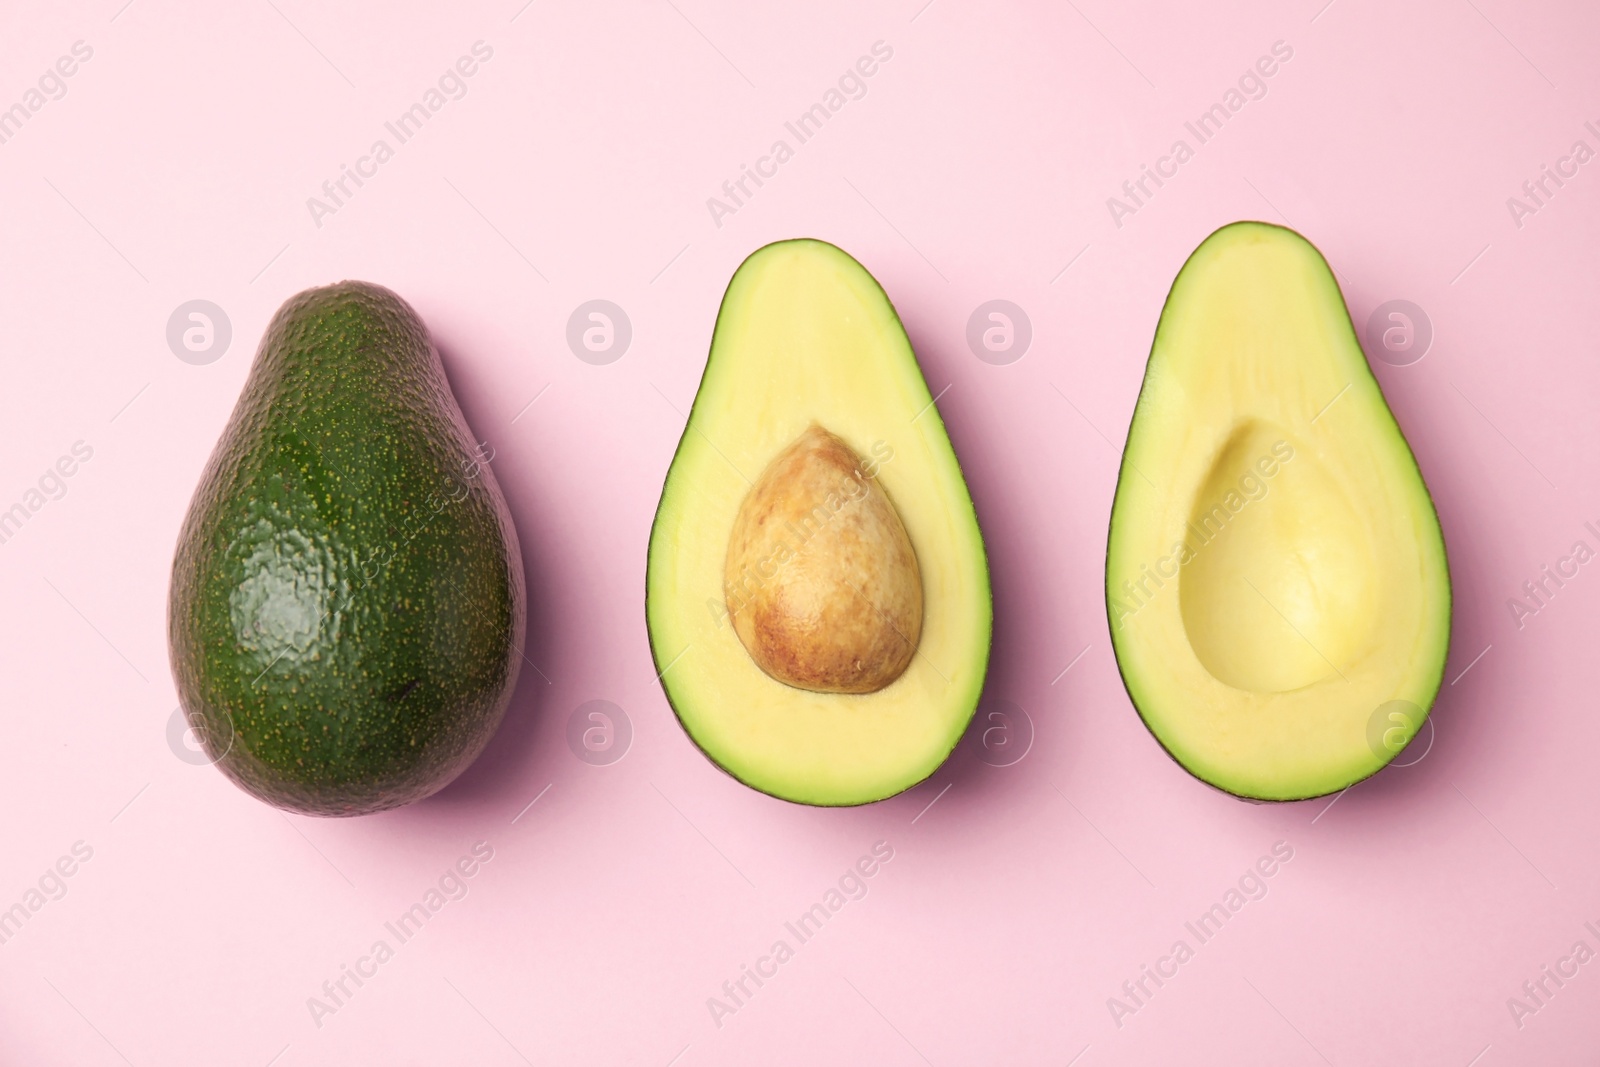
(805, 335)
(1275, 572)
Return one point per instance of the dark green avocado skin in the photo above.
(347, 611)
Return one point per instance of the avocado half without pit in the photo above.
(346, 614)
(1276, 579)
(817, 592)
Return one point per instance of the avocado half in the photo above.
(1276, 580)
(809, 359)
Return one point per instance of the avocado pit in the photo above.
(821, 582)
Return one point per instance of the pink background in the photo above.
(177, 166)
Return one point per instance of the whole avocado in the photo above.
(347, 613)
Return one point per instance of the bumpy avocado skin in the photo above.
(347, 611)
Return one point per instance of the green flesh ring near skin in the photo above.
(810, 363)
(347, 610)
(1276, 579)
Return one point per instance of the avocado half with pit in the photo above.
(817, 592)
(1276, 579)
